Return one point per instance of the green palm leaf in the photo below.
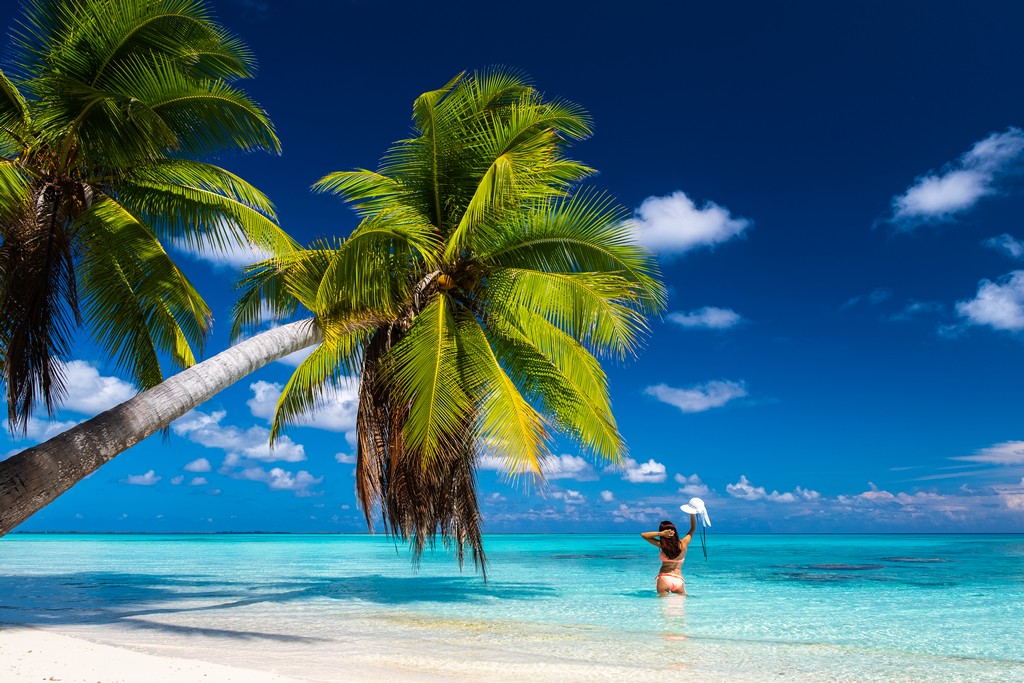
(424, 371)
(108, 101)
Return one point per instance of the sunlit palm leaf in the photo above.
(423, 369)
(507, 423)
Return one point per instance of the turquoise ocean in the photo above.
(554, 607)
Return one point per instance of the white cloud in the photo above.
(178, 479)
(674, 224)
(39, 430)
(337, 412)
(911, 502)
(692, 486)
(253, 443)
(91, 393)
(568, 467)
(346, 458)
(744, 490)
(938, 196)
(698, 398)
(625, 513)
(607, 496)
(1005, 453)
(147, 479)
(228, 255)
(1013, 247)
(295, 358)
(281, 480)
(650, 472)
(873, 298)
(198, 481)
(708, 318)
(198, 465)
(999, 305)
(570, 497)
(1012, 496)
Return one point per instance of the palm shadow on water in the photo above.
(124, 599)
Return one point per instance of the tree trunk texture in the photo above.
(34, 478)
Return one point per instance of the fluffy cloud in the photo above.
(281, 480)
(553, 467)
(698, 398)
(568, 467)
(939, 196)
(674, 224)
(346, 458)
(650, 472)
(1007, 244)
(147, 479)
(744, 490)
(708, 318)
(692, 486)
(999, 305)
(229, 255)
(1005, 453)
(178, 479)
(337, 413)
(253, 443)
(911, 502)
(569, 497)
(627, 513)
(91, 393)
(39, 430)
(198, 481)
(1012, 497)
(198, 465)
(607, 496)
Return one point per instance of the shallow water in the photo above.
(565, 607)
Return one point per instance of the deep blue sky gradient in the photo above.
(805, 118)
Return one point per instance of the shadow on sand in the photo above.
(92, 598)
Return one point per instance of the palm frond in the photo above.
(334, 361)
(14, 114)
(200, 206)
(506, 422)
(563, 378)
(369, 269)
(424, 371)
(15, 192)
(38, 301)
(587, 232)
(368, 192)
(599, 309)
(138, 302)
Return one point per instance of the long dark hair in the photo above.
(669, 546)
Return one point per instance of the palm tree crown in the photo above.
(473, 300)
(104, 112)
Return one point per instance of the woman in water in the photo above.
(673, 552)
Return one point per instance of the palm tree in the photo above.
(474, 300)
(106, 110)
(496, 285)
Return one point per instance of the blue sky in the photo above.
(835, 192)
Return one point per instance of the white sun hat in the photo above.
(696, 506)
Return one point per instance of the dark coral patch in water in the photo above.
(917, 560)
(846, 567)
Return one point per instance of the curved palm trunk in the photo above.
(34, 478)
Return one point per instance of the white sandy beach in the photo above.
(34, 654)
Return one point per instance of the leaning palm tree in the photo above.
(474, 300)
(106, 112)
(491, 284)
